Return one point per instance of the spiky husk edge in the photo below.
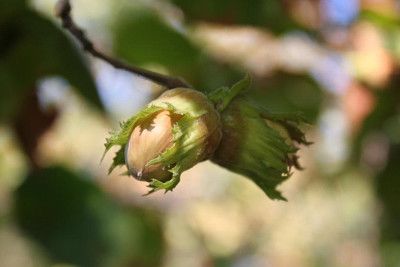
(183, 154)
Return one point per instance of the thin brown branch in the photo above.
(63, 11)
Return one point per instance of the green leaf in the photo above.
(270, 14)
(143, 37)
(33, 48)
(76, 223)
(387, 186)
(10, 8)
(289, 93)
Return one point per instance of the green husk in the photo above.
(195, 134)
(258, 144)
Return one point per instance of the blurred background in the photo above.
(337, 61)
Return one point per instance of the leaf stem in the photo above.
(63, 11)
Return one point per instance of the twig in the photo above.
(63, 11)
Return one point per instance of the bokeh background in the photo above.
(337, 61)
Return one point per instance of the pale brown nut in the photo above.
(148, 140)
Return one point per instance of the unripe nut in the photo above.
(154, 135)
(147, 141)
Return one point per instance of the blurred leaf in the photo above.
(390, 254)
(290, 93)
(142, 37)
(388, 187)
(385, 113)
(386, 109)
(10, 7)
(223, 261)
(31, 122)
(77, 224)
(211, 74)
(268, 13)
(33, 47)
(383, 20)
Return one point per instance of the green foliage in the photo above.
(289, 93)
(384, 123)
(268, 13)
(78, 224)
(388, 187)
(10, 8)
(142, 37)
(32, 47)
(390, 254)
(384, 117)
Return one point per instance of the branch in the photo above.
(63, 11)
